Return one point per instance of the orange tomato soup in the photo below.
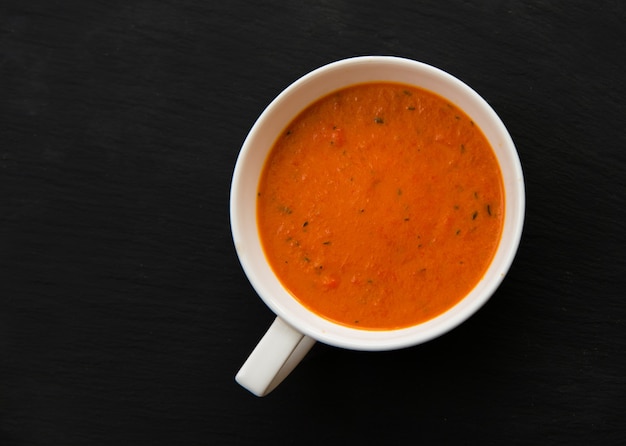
(380, 206)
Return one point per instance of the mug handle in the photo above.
(275, 356)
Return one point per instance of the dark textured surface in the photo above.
(124, 314)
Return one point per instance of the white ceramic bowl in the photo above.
(274, 120)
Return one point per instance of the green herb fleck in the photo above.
(305, 224)
(474, 215)
(489, 210)
(379, 120)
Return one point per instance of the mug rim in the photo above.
(311, 87)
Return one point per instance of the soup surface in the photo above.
(380, 206)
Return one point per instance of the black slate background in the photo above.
(124, 314)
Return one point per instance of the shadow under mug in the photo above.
(296, 329)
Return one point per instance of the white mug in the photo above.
(296, 329)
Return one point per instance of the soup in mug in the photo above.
(380, 206)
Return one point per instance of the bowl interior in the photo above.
(273, 121)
